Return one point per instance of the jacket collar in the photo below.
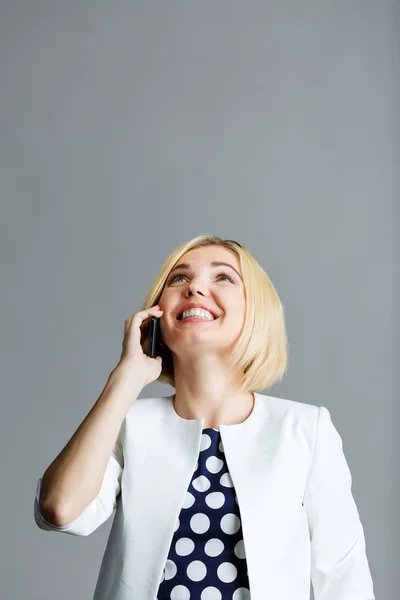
(249, 425)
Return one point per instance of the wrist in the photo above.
(125, 372)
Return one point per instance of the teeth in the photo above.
(197, 312)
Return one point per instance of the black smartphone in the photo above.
(155, 338)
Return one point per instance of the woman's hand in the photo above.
(134, 357)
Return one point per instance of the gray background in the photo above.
(130, 127)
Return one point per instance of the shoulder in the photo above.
(300, 422)
(293, 415)
(156, 408)
(284, 407)
(151, 404)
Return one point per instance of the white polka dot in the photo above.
(214, 464)
(241, 594)
(215, 499)
(227, 572)
(177, 525)
(199, 523)
(205, 442)
(239, 549)
(226, 480)
(184, 546)
(201, 483)
(214, 547)
(170, 569)
(196, 570)
(221, 447)
(180, 592)
(188, 500)
(230, 523)
(211, 593)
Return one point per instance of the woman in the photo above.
(221, 492)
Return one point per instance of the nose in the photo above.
(193, 293)
(195, 288)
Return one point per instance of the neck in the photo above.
(205, 391)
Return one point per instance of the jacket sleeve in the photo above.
(339, 564)
(99, 509)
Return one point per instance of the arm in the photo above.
(339, 564)
(85, 476)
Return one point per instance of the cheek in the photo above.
(235, 314)
(235, 305)
(165, 302)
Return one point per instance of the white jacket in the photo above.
(293, 485)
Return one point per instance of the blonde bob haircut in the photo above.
(261, 352)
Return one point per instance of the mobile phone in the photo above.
(155, 338)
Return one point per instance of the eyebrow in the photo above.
(214, 263)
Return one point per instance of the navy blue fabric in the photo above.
(206, 560)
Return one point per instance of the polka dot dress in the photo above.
(207, 560)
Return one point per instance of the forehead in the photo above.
(205, 254)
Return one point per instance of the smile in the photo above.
(196, 320)
(196, 314)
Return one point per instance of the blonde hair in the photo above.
(261, 352)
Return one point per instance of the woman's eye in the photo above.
(174, 278)
(224, 275)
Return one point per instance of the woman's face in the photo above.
(219, 288)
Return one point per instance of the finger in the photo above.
(145, 314)
(138, 319)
